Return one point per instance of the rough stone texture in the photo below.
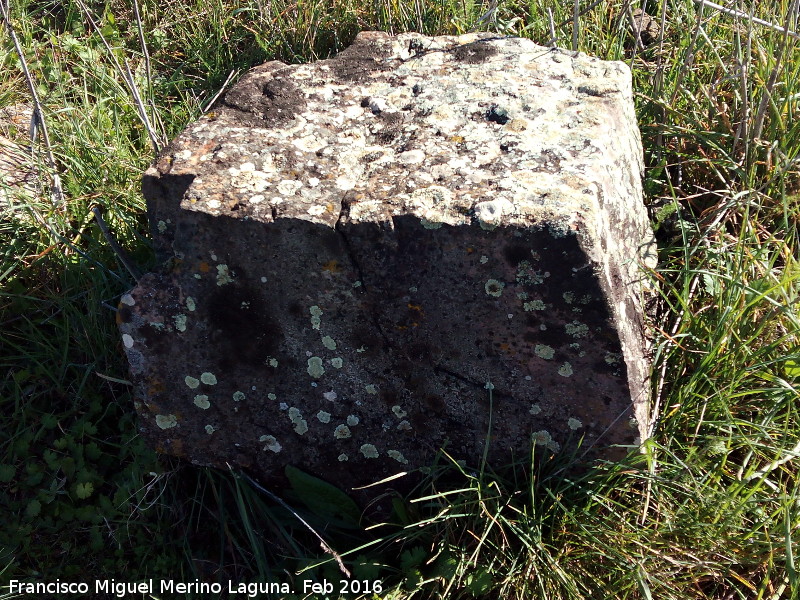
(356, 249)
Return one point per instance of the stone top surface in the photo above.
(449, 129)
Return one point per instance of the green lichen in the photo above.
(535, 409)
(180, 322)
(398, 411)
(342, 432)
(208, 378)
(166, 421)
(273, 362)
(329, 342)
(342, 457)
(494, 288)
(336, 362)
(272, 396)
(315, 368)
(210, 429)
(574, 424)
(271, 443)
(565, 370)
(223, 275)
(316, 313)
(544, 351)
(370, 389)
(299, 423)
(201, 401)
(369, 451)
(190, 304)
(398, 456)
(324, 417)
(192, 382)
(577, 329)
(534, 305)
(238, 396)
(353, 420)
(527, 275)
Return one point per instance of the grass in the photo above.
(710, 509)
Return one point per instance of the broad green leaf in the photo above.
(7, 473)
(84, 490)
(322, 498)
(792, 368)
(412, 558)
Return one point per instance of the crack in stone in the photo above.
(339, 227)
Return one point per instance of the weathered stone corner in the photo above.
(356, 250)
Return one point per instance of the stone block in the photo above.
(357, 251)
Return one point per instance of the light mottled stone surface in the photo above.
(355, 248)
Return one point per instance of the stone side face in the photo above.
(356, 249)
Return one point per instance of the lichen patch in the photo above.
(166, 421)
(369, 451)
(315, 368)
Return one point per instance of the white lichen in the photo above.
(398, 411)
(324, 417)
(190, 304)
(370, 389)
(192, 382)
(210, 429)
(238, 396)
(127, 340)
(574, 423)
(330, 396)
(273, 362)
(353, 420)
(127, 299)
(535, 409)
(342, 457)
(208, 378)
(404, 426)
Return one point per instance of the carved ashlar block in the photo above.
(420, 243)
